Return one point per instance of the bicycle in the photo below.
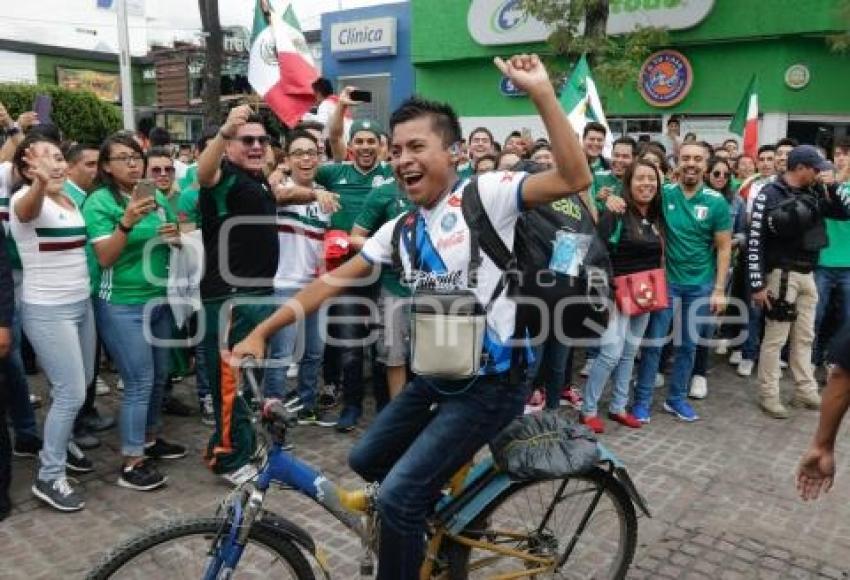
(484, 526)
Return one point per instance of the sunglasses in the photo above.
(719, 174)
(249, 140)
(157, 171)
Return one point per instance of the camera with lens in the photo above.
(782, 311)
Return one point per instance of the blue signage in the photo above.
(509, 89)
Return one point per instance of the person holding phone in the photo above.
(123, 217)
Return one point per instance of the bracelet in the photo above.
(124, 229)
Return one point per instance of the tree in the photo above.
(579, 27)
(214, 55)
(841, 42)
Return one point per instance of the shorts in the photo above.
(393, 344)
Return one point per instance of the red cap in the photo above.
(337, 248)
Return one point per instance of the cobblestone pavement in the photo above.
(721, 492)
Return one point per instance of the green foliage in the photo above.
(80, 115)
(841, 42)
(615, 60)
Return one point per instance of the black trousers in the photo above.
(5, 443)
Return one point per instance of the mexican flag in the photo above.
(746, 119)
(280, 68)
(580, 100)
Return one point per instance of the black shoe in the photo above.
(77, 461)
(162, 449)
(176, 407)
(85, 440)
(97, 422)
(143, 476)
(27, 446)
(348, 419)
(59, 494)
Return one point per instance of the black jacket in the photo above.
(7, 285)
(799, 253)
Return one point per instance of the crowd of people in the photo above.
(748, 267)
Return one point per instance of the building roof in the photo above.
(35, 48)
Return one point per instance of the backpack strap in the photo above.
(406, 219)
(483, 234)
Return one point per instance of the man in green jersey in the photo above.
(610, 181)
(352, 181)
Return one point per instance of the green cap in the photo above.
(365, 125)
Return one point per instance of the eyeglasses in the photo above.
(719, 174)
(157, 171)
(126, 159)
(249, 140)
(308, 153)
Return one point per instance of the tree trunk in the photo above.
(596, 23)
(214, 55)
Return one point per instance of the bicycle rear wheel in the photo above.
(180, 550)
(583, 527)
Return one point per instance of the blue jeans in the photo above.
(683, 297)
(19, 405)
(63, 338)
(142, 366)
(550, 361)
(282, 347)
(616, 355)
(414, 450)
(826, 280)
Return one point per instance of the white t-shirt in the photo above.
(5, 193)
(444, 253)
(301, 234)
(52, 249)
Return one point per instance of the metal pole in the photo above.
(124, 64)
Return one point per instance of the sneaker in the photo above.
(722, 347)
(162, 449)
(97, 422)
(207, 411)
(571, 396)
(626, 419)
(58, 494)
(85, 440)
(640, 411)
(736, 357)
(327, 396)
(242, 475)
(585, 370)
(699, 387)
(100, 387)
(76, 460)
(808, 400)
(593, 423)
(682, 410)
(659, 380)
(307, 417)
(292, 371)
(535, 402)
(325, 418)
(348, 419)
(176, 407)
(27, 446)
(773, 407)
(120, 384)
(745, 369)
(142, 476)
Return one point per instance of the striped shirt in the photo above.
(52, 249)
(301, 234)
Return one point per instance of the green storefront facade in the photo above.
(732, 40)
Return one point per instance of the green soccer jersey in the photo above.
(690, 228)
(129, 280)
(837, 253)
(187, 199)
(604, 178)
(352, 185)
(383, 204)
(465, 170)
(73, 191)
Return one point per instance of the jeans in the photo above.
(281, 348)
(616, 355)
(413, 450)
(550, 368)
(143, 367)
(826, 280)
(5, 443)
(684, 298)
(19, 405)
(63, 337)
(353, 335)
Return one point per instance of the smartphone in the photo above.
(42, 105)
(361, 96)
(144, 188)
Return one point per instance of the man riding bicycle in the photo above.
(435, 426)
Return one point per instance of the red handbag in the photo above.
(641, 292)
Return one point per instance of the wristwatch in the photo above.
(124, 228)
(13, 130)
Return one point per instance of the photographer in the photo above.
(787, 232)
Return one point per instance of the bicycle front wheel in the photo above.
(181, 549)
(578, 527)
